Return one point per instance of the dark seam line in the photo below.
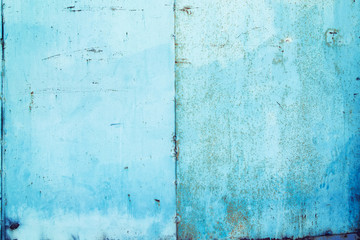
(175, 129)
(3, 226)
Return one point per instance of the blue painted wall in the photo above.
(267, 118)
(89, 119)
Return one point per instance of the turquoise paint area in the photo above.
(268, 118)
(89, 120)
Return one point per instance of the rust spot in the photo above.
(182, 61)
(186, 9)
(236, 219)
(177, 153)
(331, 37)
(176, 147)
(31, 100)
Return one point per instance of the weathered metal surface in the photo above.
(267, 115)
(267, 118)
(89, 119)
(344, 236)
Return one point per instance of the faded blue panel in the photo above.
(267, 118)
(89, 119)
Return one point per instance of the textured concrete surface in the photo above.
(267, 118)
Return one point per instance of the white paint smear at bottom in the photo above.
(94, 225)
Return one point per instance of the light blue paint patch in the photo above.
(267, 118)
(89, 112)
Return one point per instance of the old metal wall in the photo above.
(267, 118)
(89, 119)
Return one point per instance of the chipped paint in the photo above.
(267, 120)
(89, 90)
(266, 139)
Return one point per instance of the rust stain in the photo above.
(182, 61)
(176, 147)
(177, 153)
(236, 219)
(31, 100)
(188, 231)
(186, 9)
(331, 37)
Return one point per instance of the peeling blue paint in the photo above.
(267, 118)
(263, 143)
(89, 109)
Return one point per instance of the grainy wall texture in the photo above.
(267, 118)
(89, 119)
(235, 119)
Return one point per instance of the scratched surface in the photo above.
(267, 118)
(89, 125)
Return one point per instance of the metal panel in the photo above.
(2, 120)
(89, 122)
(267, 118)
